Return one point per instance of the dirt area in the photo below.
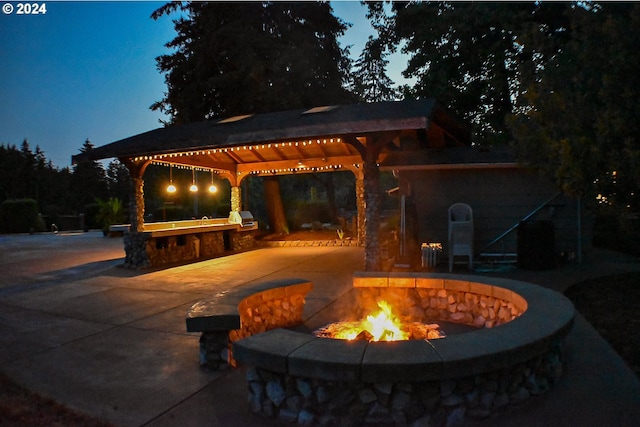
(610, 304)
(19, 407)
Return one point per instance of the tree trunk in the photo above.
(275, 208)
(330, 188)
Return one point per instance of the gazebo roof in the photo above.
(286, 139)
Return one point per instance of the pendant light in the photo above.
(171, 188)
(212, 187)
(194, 187)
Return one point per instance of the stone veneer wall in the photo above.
(243, 240)
(427, 305)
(135, 245)
(306, 401)
(256, 315)
(142, 250)
(173, 249)
(268, 306)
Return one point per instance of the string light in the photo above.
(265, 146)
(158, 159)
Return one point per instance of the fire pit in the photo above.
(510, 353)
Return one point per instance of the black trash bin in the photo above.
(536, 245)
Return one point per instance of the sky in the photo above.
(87, 70)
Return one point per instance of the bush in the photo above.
(109, 212)
(20, 216)
(618, 232)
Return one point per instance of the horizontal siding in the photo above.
(500, 198)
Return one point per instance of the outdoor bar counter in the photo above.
(164, 243)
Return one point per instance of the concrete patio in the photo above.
(111, 342)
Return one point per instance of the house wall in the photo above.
(500, 198)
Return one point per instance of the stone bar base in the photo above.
(165, 247)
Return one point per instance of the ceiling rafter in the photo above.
(257, 155)
(299, 151)
(278, 152)
(322, 150)
(233, 156)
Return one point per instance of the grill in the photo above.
(247, 219)
(244, 218)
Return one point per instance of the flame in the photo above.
(380, 326)
(384, 326)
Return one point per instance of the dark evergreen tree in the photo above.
(370, 80)
(118, 181)
(88, 182)
(27, 172)
(10, 180)
(46, 184)
(243, 58)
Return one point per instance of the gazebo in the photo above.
(357, 138)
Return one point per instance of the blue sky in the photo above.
(87, 70)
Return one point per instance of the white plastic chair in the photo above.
(460, 233)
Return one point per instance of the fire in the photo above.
(383, 326)
(380, 326)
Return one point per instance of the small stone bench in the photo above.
(244, 311)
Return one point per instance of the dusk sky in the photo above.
(87, 70)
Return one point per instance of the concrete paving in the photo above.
(110, 342)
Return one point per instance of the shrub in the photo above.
(20, 216)
(109, 212)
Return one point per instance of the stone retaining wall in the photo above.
(308, 243)
(307, 401)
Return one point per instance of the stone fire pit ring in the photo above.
(528, 341)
